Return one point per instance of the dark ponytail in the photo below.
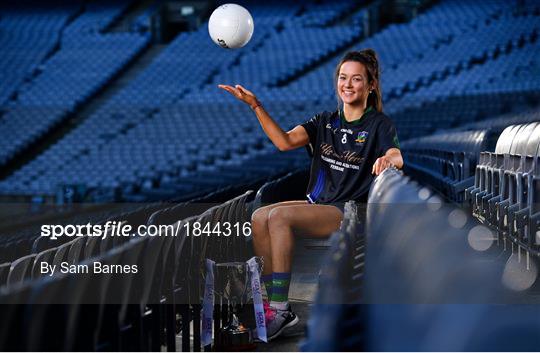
(369, 59)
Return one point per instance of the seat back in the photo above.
(20, 270)
(522, 138)
(287, 188)
(125, 285)
(151, 256)
(61, 253)
(4, 271)
(504, 143)
(40, 244)
(48, 307)
(92, 247)
(76, 251)
(44, 256)
(534, 142)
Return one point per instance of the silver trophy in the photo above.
(232, 283)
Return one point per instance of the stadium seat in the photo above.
(61, 254)
(76, 251)
(447, 161)
(292, 186)
(40, 244)
(48, 305)
(4, 271)
(121, 325)
(20, 270)
(149, 311)
(43, 256)
(92, 247)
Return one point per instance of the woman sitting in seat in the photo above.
(350, 147)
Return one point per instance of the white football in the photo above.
(231, 26)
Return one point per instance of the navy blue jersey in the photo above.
(344, 154)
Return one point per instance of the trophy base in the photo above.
(234, 339)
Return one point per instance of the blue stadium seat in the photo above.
(447, 161)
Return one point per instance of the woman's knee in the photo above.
(278, 217)
(259, 220)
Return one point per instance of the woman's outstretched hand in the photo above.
(242, 94)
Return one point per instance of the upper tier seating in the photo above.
(83, 64)
(27, 37)
(176, 97)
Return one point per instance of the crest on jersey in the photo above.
(362, 136)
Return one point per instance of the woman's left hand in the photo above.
(381, 164)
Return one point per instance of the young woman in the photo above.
(351, 146)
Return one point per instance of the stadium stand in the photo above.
(423, 68)
(501, 122)
(461, 81)
(164, 93)
(447, 161)
(38, 31)
(120, 308)
(82, 65)
(400, 259)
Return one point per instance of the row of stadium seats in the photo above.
(451, 112)
(324, 13)
(504, 120)
(81, 66)
(506, 194)
(127, 311)
(87, 161)
(78, 71)
(414, 241)
(96, 18)
(28, 37)
(302, 50)
(508, 72)
(151, 108)
(185, 188)
(447, 161)
(422, 40)
(426, 83)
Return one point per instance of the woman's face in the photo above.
(352, 83)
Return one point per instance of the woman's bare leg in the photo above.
(261, 235)
(286, 221)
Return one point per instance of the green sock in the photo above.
(280, 290)
(267, 280)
